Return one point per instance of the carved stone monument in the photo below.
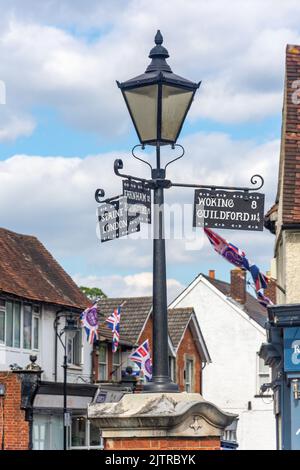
(154, 421)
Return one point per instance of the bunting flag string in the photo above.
(238, 258)
(89, 321)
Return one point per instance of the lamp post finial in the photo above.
(158, 38)
(158, 54)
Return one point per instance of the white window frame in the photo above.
(36, 315)
(87, 445)
(22, 325)
(116, 377)
(187, 384)
(172, 367)
(14, 325)
(261, 374)
(102, 363)
(3, 311)
(72, 363)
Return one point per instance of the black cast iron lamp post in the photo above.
(158, 102)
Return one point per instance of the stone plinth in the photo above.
(178, 421)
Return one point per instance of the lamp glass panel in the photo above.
(175, 102)
(142, 103)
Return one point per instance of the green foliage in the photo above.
(93, 293)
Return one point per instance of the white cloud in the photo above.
(135, 285)
(13, 125)
(53, 198)
(67, 55)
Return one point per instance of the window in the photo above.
(74, 347)
(102, 362)
(78, 432)
(189, 375)
(172, 368)
(9, 323)
(19, 321)
(84, 435)
(27, 326)
(36, 322)
(2, 321)
(116, 366)
(13, 324)
(17, 324)
(263, 374)
(47, 432)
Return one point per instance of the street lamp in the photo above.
(158, 102)
(69, 331)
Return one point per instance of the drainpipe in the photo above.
(201, 376)
(55, 340)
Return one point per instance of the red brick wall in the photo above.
(187, 349)
(147, 332)
(270, 291)
(238, 285)
(12, 418)
(175, 443)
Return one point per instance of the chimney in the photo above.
(270, 291)
(238, 285)
(211, 274)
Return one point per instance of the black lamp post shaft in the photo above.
(161, 381)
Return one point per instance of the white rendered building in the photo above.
(232, 322)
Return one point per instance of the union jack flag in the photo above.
(142, 357)
(89, 321)
(263, 299)
(230, 252)
(238, 257)
(114, 324)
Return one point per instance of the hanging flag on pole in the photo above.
(142, 357)
(238, 258)
(89, 321)
(114, 324)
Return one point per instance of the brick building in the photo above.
(37, 297)
(283, 219)
(187, 349)
(14, 427)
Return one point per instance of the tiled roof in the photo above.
(134, 313)
(289, 175)
(29, 271)
(178, 319)
(252, 307)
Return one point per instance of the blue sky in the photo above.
(64, 121)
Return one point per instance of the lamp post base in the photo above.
(161, 385)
